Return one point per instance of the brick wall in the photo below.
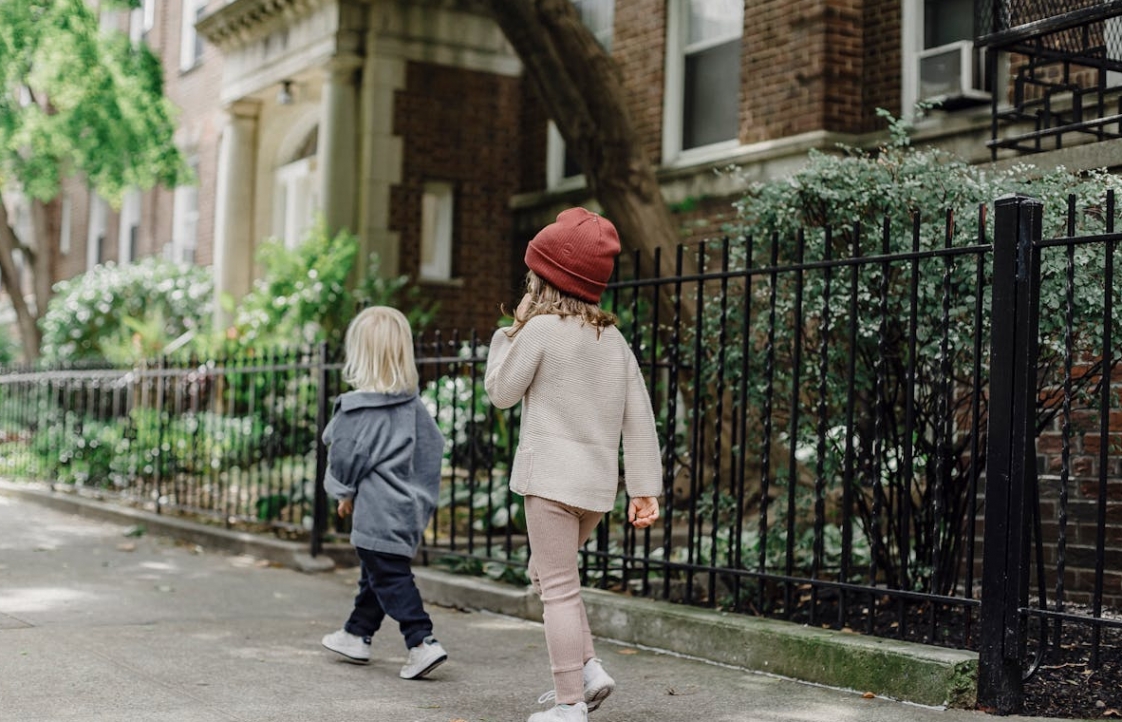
(881, 79)
(201, 119)
(639, 46)
(461, 126)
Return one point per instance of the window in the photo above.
(561, 167)
(436, 232)
(941, 63)
(702, 74)
(141, 21)
(190, 42)
(185, 221)
(64, 225)
(96, 230)
(297, 201)
(129, 228)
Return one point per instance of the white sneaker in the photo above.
(562, 713)
(352, 647)
(424, 658)
(597, 686)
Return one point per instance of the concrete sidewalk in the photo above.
(98, 625)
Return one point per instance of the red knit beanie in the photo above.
(575, 254)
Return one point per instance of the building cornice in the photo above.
(244, 21)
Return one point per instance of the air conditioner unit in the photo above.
(951, 75)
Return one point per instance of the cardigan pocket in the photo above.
(522, 470)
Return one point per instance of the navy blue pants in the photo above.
(386, 587)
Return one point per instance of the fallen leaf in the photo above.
(628, 651)
(868, 695)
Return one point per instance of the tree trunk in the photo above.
(42, 278)
(26, 319)
(582, 89)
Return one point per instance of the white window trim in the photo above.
(437, 230)
(99, 211)
(187, 34)
(185, 223)
(555, 177)
(911, 42)
(674, 86)
(297, 201)
(65, 225)
(129, 219)
(141, 21)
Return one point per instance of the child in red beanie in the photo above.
(582, 392)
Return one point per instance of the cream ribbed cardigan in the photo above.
(580, 392)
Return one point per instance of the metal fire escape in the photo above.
(1064, 77)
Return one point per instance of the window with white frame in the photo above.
(64, 225)
(297, 201)
(128, 232)
(561, 167)
(141, 21)
(190, 42)
(185, 221)
(437, 231)
(702, 108)
(96, 230)
(940, 62)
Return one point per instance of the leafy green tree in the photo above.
(74, 102)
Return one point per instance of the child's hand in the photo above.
(643, 511)
(346, 506)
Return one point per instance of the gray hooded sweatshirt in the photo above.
(384, 451)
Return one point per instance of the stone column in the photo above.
(338, 147)
(233, 213)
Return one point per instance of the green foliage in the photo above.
(81, 451)
(126, 313)
(473, 429)
(9, 347)
(304, 294)
(804, 328)
(510, 569)
(77, 100)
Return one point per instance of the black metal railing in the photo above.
(830, 418)
(1050, 372)
(1065, 71)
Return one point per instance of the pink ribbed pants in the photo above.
(557, 532)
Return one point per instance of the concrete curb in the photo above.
(905, 671)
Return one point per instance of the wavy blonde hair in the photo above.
(379, 352)
(546, 299)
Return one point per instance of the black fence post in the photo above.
(319, 505)
(1011, 454)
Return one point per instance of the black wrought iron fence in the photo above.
(826, 412)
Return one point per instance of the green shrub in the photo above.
(125, 313)
(305, 296)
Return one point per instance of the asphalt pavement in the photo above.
(100, 622)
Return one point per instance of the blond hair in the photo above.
(546, 299)
(379, 352)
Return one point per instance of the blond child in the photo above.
(383, 466)
(582, 392)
